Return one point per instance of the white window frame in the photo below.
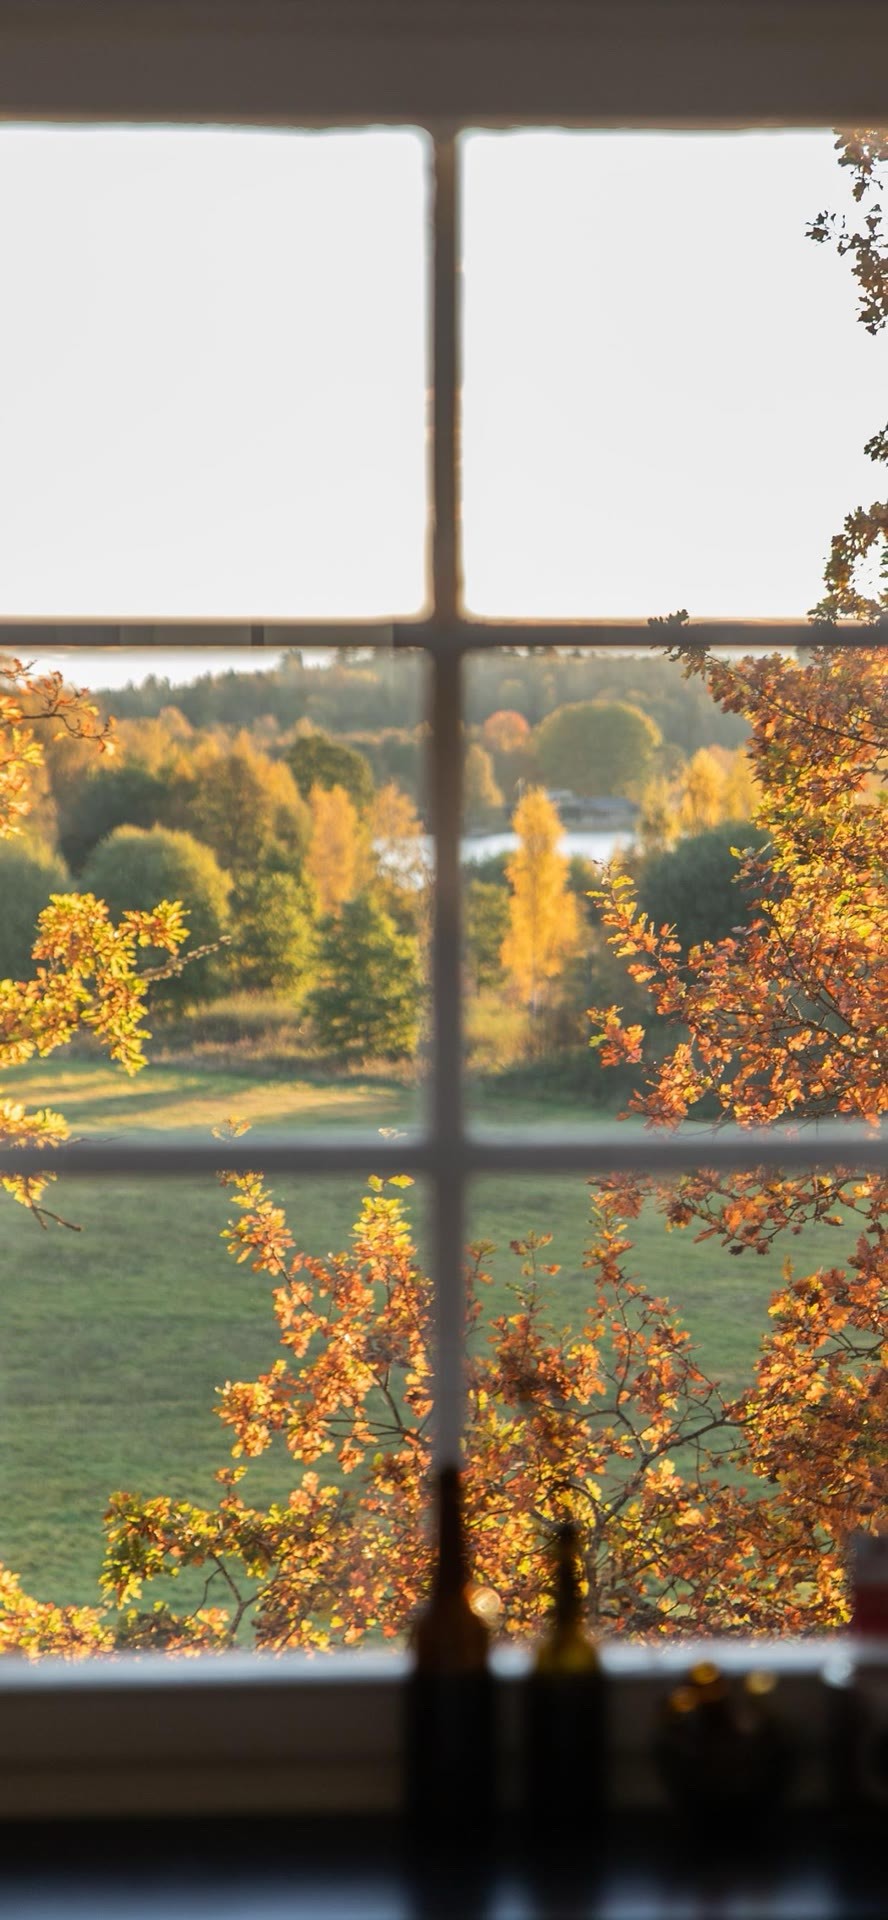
(74, 1738)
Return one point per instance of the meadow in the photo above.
(118, 1333)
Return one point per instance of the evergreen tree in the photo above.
(368, 996)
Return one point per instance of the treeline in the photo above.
(299, 876)
(369, 694)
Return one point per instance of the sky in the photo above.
(213, 373)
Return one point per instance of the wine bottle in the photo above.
(564, 1718)
(449, 1734)
(721, 1750)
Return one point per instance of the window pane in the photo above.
(212, 373)
(706, 1419)
(138, 1369)
(675, 887)
(282, 800)
(667, 393)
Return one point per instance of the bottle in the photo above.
(721, 1750)
(449, 1734)
(564, 1714)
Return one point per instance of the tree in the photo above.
(700, 793)
(317, 761)
(543, 918)
(697, 887)
(487, 927)
(129, 794)
(86, 973)
(332, 860)
(134, 866)
(482, 797)
(274, 941)
(245, 806)
(505, 731)
(368, 996)
(788, 1018)
(29, 875)
(597, 747)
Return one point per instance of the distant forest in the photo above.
(363, 691)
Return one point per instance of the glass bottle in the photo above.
(449, 1735)
(564, 1719)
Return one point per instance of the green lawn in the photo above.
(118, 1334)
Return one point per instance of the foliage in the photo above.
(487, 927)
(543, 918)
(367, 1000)
(332, 861)
(86, 973)
(134, 866)
(274, 941)
(244, 805)
(864, 537)
(482, 798)
(597, 747)
(129, 794)
(29, 875)
(695, 887)
(787, 1017)
(317, 761)
(505, 731)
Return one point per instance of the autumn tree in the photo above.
(85, 973)
(700, 792)
(481, 795)
(334, 849)
(244, 805)
(505, 731)
(543, 919)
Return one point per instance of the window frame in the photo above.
(792, 64)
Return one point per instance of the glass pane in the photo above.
(174, 1341)
(704, 1418)
(212, 373)
(666, 394)
(675, 888)
(282, 800)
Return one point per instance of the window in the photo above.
(449, 1155)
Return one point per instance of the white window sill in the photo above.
(250, 1734)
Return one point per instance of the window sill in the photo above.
(249, 1734)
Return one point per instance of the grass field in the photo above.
(118, 1334)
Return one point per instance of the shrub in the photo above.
(135, 868)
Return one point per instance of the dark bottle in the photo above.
(722, 1752)
(564, 1714)
(449, 1734)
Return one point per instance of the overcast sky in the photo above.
(213, 373)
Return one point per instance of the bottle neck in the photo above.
(567, 1647)
(451, 1569)
(568, 1598)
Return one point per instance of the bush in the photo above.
(130, 795)
(694, 887)
(28, 875)
(134, 868)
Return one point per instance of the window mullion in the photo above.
(446, 794)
